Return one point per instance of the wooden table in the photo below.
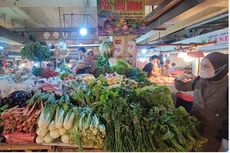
(25, 147)
(60, 147)
(52, 147)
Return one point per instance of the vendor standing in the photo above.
(210, 98)
(82, 52)
(152, 67)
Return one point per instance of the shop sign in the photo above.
(120, 17)
(220, 37)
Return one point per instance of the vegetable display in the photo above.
(17, 98)
(60, 121)
(122, 68)
(141, 119)
(106, 49)
(37, 71)
(23, 119)
(119, 111)
(36, 52)
(48, 73)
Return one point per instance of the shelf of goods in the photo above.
(112, 112)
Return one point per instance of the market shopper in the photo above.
(152, 67)
(210, 98)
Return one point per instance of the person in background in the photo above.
(210, 98)
(4, 63)
(172, 68)
(82, 52)
(90, 63)
(161, 60)
(87, 65)
(152, 67)
(79, 68)
(2, 71)
(166, 68)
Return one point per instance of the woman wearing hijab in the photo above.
(210, 98)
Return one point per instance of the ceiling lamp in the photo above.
(144, 51)
(83, 31)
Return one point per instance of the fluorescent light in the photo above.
(22, 65)
(83, 31)
(144, 51)
(1, 48)
(36, 64)
(142, 59)
(69, 65)
(185, 57)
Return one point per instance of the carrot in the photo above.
(26, 110)
(41, 105)
(4, 114)
(31, 110)
(24, 123)
(34, 120)
(24, 129)
(31, 129)
(29, 120)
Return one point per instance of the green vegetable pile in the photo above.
(61, 121)
(122, 68)
(106, 49)
(36, 52)
(37, 71)
(102, 66)
(64, 69)
(141, 119)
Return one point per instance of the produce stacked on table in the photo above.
(46, 73)
(87, 129)
(19, 123)
(61, 122)
(67, 76)
(51, 119)
(115, 112)
(141, 119)
(162, 80)
(17, 98)
(23, 119)
(48, 87)
(122, 68)
(37, 71)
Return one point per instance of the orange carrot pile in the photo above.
(21, 119)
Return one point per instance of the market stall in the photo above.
(102, 75)
(105, 113)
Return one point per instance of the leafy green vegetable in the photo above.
(37, 71)
(36, 52)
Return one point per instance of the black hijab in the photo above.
(218, 60)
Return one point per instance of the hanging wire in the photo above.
(12, 24)
(59, 10)
(71, 20)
